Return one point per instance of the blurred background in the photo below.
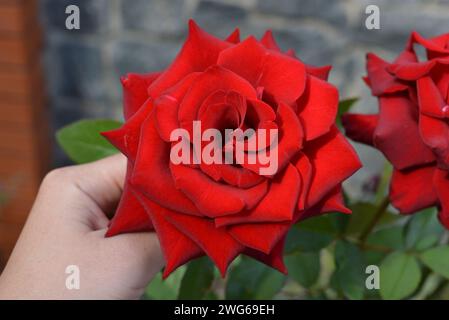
(51, 76)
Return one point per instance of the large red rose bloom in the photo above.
(223, 210)
(411, 128)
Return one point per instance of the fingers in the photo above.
(103, 180)
(84, 193)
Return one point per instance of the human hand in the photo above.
(66, 227)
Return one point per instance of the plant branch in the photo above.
(381, 210)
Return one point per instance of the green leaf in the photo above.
(429, 287)
(400, 275)
(311, 235)
(423, 230)
(350, 268)
(382, 242)
(344, 106)
(340, 221)
(362, 214)
(82, 141)
(437, 259)
(252, 280)
(197, 280)
(167, 289)
(304, 267)
(391, 238)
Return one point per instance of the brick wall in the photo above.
(24, 138)
(119, 36)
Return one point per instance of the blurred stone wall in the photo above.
(119, 36)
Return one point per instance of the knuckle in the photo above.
(57, 177)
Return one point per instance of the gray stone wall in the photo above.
(119, 36)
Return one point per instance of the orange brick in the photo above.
(16, 16)
(19, 114)
(21, 82)
(16, 207)
(20, 51)
(10, 233)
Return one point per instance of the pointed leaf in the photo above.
(304, 267)
(197, 279)
(400, 275)
(253, 280)
(82, 141)
(437, 259)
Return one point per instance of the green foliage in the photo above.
(251, 279)
(382, 242)
(311, 235)
(437, 259)
(423, 230)
(197, 280)
(364, 214)
(82, 141)
(165, 289)
(304, 267)
(390, 238)
(350, 268)
(343, 107)
(400, 276)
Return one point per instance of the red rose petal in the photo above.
(436, 44)
(430, 99)
(412, 190)
(130, 215)
(177, 247)
(317, 107)
(259, 236)
(126, 139)
(289, 144)
(258, 111)
(281, 76)
(305, 169)
(360, 127)
(435, 134)
(234, 37)
(269, 42)
(199, 52)
(331, 202)
(214, 199)
(135, 91)
(441, 184)
(411, 71)
(397, 133)
(274, 259)
(279, 204)
(216, 242)
(230, 174)
(152, 176)
(440, 76)
(213, 79)
(379, 79)
(319, 72)
(167, 105)
(333, 160)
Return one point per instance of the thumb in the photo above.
(103, 181)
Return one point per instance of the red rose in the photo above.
(412, 128)
(223, 210)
